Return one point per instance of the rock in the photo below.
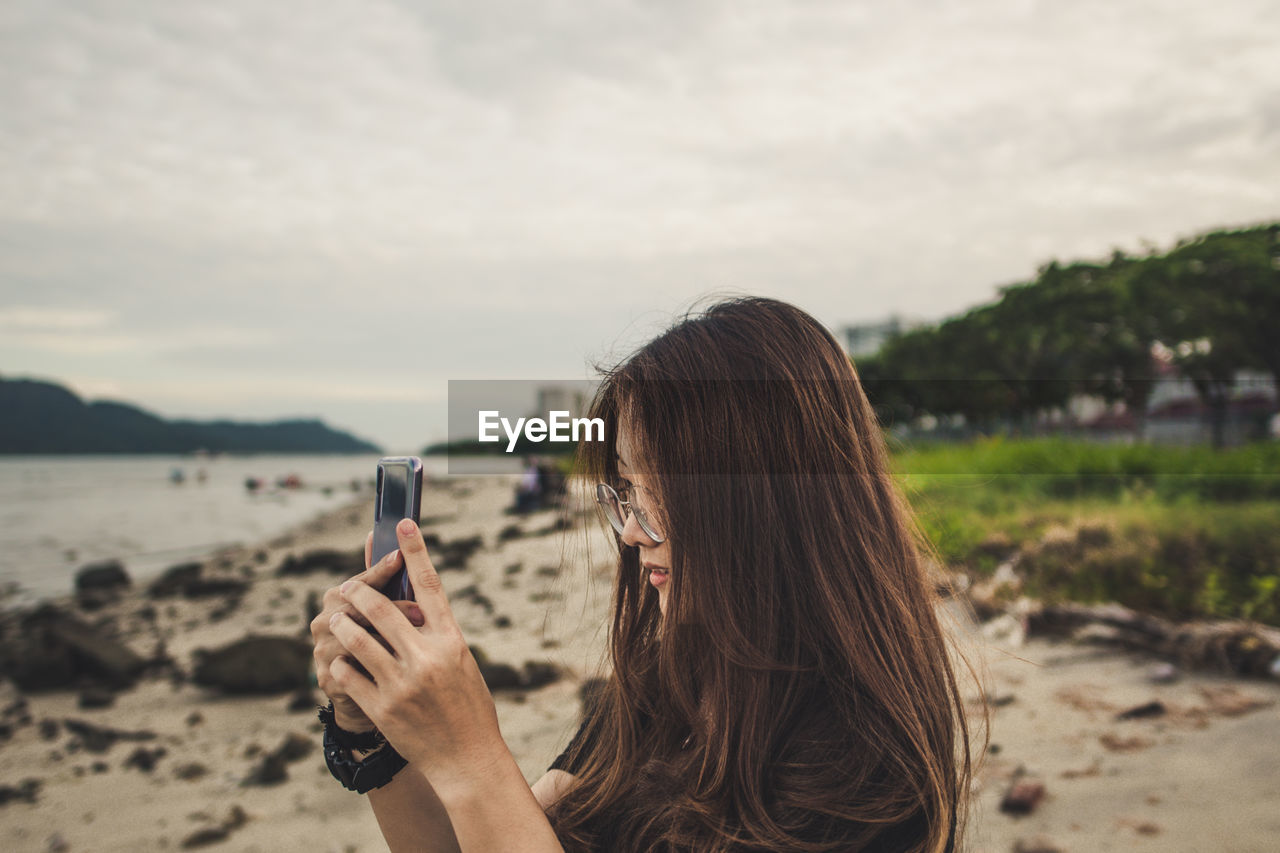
(25, 791)
(57, 844)
(328, 560)
(1139, 712)
(273, 768)
(255, 665)
(303, 700)
(48, 729)
(188, 581)
(195, 718)
(539, 674)
(174, 580)
(96, 697)
(213, 587)
(191, 771)
(100, 767)
(511, 531)
(1022, 797)
(504, 676)
(56, 650)
(235, 819)
(145, 759)
(1163, 673)
(500, 676)
(101, 738)
(100, 583)
(454, 554)
(502, 622)
(295, 747)
(312, 608)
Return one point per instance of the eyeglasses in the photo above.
(616, 510)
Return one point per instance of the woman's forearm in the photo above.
(495, 811)
(411, 816)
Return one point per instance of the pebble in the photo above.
(1022, 797)
(1141, 712)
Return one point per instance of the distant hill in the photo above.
(41, 417)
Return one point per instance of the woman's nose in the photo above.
(633, 534)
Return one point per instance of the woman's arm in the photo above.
(498, 811)
(421, 687)
(411, 816)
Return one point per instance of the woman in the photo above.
(780, 678)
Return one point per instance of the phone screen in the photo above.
(399, 495)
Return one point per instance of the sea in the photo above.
(59, 513)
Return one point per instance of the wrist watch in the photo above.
(375, 770)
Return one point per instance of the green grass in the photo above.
(1185, 533)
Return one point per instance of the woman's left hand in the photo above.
(426, 694)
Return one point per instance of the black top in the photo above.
(562, 760)
(587, 735)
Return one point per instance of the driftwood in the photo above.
(1244, 648)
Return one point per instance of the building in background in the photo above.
(867, 338)
(571, 397)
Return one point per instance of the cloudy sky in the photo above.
(332, 207)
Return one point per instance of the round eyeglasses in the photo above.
(616, 509)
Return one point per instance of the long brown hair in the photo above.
(799, 693)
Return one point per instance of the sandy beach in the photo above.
(1197, 770)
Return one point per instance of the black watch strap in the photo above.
(363, 741)
(376, 770)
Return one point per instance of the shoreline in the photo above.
(528, 591)
(189, 778)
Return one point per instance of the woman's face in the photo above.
(655, 559)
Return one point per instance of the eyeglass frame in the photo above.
(603, 492)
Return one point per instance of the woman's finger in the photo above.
(353, 682)
(427, 587)
(363, 646)
(391, 621)
(368, 549)
(382, 571)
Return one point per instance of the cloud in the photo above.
(45, 319)
(465, 189)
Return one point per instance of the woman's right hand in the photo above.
(347, 714)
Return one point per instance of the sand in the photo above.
(1203, 776)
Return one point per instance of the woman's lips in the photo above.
(657, 574)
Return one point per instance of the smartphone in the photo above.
(399, 496)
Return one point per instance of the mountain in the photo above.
(41, 417)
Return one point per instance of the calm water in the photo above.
(59, 512)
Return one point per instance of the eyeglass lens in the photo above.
(617, 514)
